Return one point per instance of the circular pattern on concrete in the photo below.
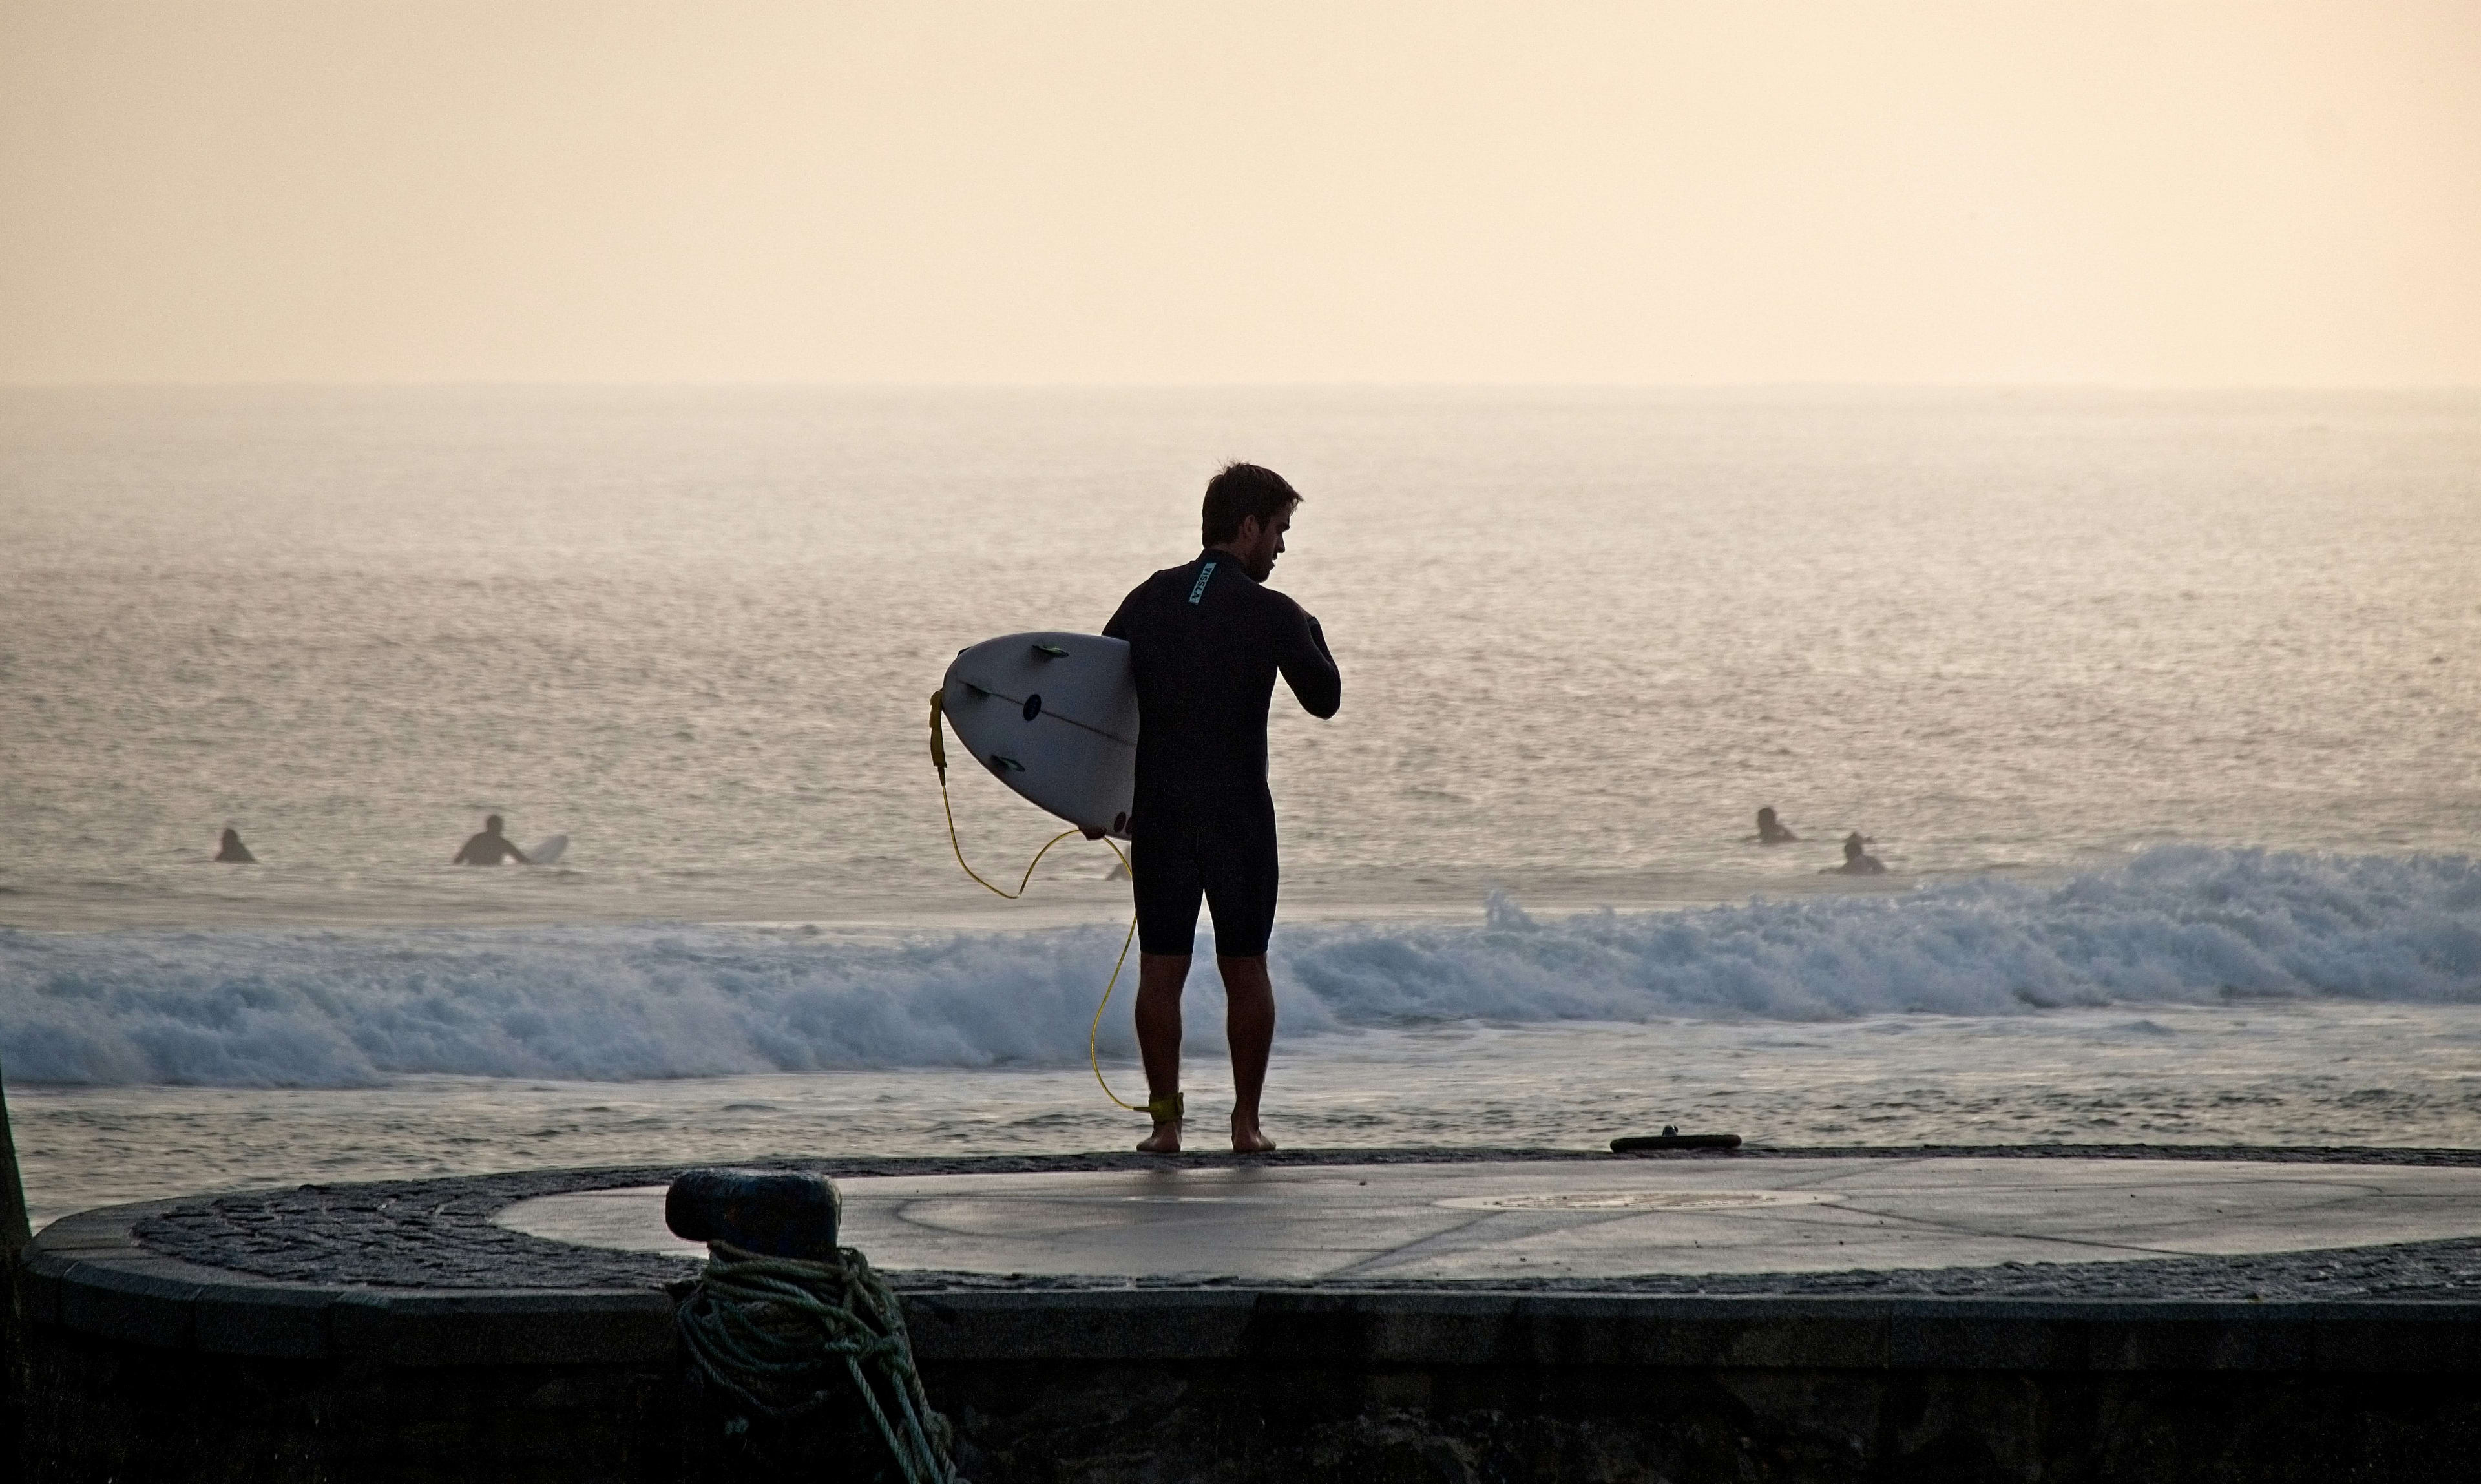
(1642, 1200)
(1588, 1219)
(438, 1234)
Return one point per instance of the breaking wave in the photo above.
(305, 1008)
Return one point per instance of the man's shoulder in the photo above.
(1265, 597)
(1188, 585)
(1238, 592)
(1169, 577)
(1159, 583)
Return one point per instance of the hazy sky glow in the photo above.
(1334, 191)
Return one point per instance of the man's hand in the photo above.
(1092, 833)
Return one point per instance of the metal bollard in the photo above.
(774, 1212)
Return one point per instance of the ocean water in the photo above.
(2161, 709)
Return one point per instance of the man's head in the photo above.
(491, 825)
(1247, 512)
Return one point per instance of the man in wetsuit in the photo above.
(1205, 640)
(489, 848)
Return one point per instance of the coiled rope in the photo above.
(781, 1336)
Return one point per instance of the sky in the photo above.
(1080, 191)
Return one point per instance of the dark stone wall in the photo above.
(16, 1339)
(97, 1410)
(1037, 1424)
(100, 1410)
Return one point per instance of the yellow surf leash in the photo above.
(1093, 1032)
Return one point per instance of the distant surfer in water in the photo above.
(1770, 830)
(1857, 860)
(490, 848)
(1205, 640)
(233, 852)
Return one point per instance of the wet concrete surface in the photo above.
(1475, 1222)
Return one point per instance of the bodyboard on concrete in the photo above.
(1643, 1143)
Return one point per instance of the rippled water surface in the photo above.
(2161, 709)
(1583, 637)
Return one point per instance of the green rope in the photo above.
(781, 1336)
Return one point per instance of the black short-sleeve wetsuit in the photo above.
(1206, 642)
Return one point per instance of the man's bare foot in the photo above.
(1248, 1139)
(1165, 1141)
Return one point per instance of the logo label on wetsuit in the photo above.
(1204, 574)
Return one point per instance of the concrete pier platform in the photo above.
(1486, 1222)
(1417, 1315)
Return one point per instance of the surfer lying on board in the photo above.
(1205, 641)
(1770, 830)
(489, 848)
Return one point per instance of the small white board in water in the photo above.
(547, 853)
(1055, 718)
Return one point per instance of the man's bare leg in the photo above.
(1159, 978)
(1249, 1025)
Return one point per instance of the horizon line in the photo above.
(723, 384)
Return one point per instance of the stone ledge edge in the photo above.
(87, 1274)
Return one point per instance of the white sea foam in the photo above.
(260, 1008)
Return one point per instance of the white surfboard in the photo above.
(547, 853)
(1055, 718)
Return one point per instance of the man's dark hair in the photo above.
(1241, 491)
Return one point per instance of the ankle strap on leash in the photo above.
(1166, 1110)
